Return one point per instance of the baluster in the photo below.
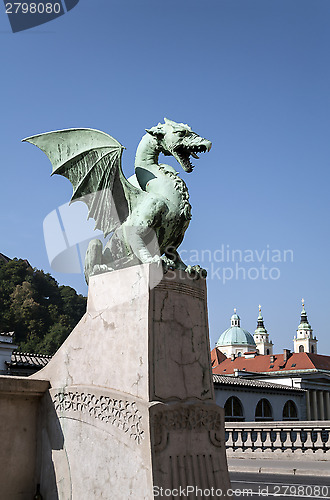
(314, 437)
(318, 444)
(309, 442)
(244, 436)
(248, 445)
(259, 443)
(235, 438)
(301, 439)
(254, 437)
(325, 435)
(292, 434)
(229, 439)
(273, 435)
(266, 440)
(239, 441)
(283, 438)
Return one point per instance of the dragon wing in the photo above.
(91, 160)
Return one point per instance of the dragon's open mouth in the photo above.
(183, 153)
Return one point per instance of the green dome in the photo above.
(235, 336)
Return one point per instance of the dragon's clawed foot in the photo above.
(168, 263)
(196, 272)
(156, 260)
(101, 268)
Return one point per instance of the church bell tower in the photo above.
(261, 337)
(304, 340)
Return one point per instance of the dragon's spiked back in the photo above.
(91, 160)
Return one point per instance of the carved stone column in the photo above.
(321, 405)
(327, 404)
(308, 406)
(132, 404)
(314, 405)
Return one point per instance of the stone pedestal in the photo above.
(131, 406)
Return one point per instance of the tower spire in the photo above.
(304, 340)
(304, 325)
(260, 323)
(261, 337)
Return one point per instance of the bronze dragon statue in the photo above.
(147, 215)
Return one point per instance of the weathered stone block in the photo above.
(131, 405)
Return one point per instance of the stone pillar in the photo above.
(308, 406)
(132, 406)
(321, 405)
(19, 405)
(327, 404)
(314, 405)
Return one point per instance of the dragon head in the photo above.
(178, 140)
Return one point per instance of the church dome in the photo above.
(235, 335)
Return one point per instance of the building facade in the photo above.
(13, 362)
(247, 400)
(302, 369)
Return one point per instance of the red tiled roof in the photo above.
(217, 357)
(262, 363)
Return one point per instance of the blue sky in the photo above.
(253, 76)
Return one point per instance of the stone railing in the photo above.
(279, 437)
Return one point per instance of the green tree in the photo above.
(33, 305)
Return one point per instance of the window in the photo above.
(290, 411)
(301, 348)
(267, 351)
(312, 349)
(233, 410)
(263, 410)
(239, 354)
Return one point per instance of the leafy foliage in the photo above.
(36, 308)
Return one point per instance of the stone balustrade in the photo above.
(297, 437)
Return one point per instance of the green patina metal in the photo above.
(147, 215)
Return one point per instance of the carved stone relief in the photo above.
(117, 412)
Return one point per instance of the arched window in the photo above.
(263, 410)
(239, 354)
(312, 349)
(267, 351)
(290, 411)
(233, 410)
(301, 348)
